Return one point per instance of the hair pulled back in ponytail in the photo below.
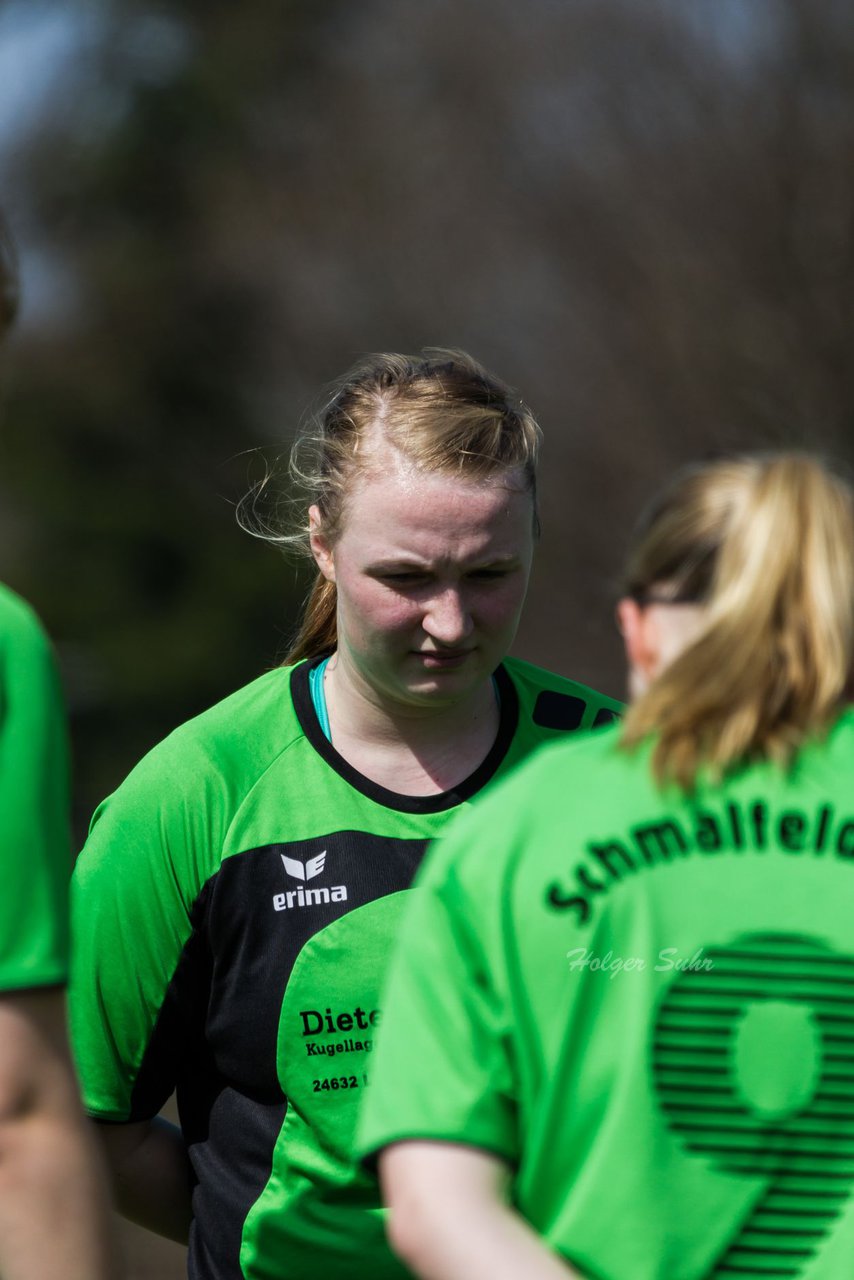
(441, 411)
(766, 543)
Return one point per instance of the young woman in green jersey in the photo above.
(238, 895)
(54, 1205)
(619, 1033)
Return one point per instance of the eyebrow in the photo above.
(404, 562)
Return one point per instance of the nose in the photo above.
(447, 619)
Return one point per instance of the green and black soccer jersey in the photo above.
(644, 1004)
(235, 904)
(36, 851)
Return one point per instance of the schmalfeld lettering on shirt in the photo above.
(735, 828)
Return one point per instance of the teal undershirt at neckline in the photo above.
(318, 696)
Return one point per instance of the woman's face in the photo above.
(431, 573)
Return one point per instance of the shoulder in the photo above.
(20, 628)
(563, 767)
(29, 680)
(16, 616)
(239, 734)
(840, 737)
(554, 702)
(824, 760)
(188, 788)
(554, 799)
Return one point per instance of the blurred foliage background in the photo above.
(642, 215)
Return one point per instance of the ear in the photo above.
(320, 548)
(638, 627)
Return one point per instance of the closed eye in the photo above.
(403, 579)
(419, 577)
(489, 574)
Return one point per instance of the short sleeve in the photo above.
(36, 852)
(443, 1067)
(136, 985)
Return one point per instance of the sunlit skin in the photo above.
(654, 636)
(431, 573)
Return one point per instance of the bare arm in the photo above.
(449, 1218)
(151, 1175)
(54, 1204)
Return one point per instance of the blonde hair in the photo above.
(441, 410)
(766, 543)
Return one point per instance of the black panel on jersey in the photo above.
(605, 716)
(177, 1040)
(509, 699)
(555, 710)
(256, 946)
(233, 1167)
(227, 992)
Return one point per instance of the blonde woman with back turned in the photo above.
(241, 890)
(619, 1032)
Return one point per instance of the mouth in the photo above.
(447, 658)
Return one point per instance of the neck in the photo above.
(414, 749)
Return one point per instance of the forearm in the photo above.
(55, 1215)
(449, 1219)
(487, 1244)
(150, 1175)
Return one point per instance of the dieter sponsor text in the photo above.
(317, 1022)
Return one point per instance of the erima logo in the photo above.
(307, 897)
(305, 870)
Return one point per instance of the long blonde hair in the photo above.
(766, 544)
(442, 410)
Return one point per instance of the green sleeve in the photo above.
(36, 857)
(134, 893)
(443, 1068)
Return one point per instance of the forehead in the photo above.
(403, 508)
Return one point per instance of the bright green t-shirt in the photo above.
(36, 851)
(235, 906)
(644, 1004)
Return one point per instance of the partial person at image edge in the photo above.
(54, 1206)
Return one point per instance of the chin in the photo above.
(450, 685)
